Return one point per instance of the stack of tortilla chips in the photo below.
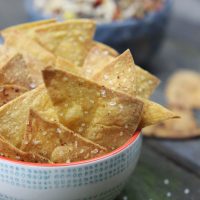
(65, 97)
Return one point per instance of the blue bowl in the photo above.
(142, 36)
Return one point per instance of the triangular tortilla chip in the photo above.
(185, 127)
(97, 58)
(6, 54)
(119, 74)
(43, 136)
(98, 63)
(26, 44)
(10, 92)
(104, 116)
(17, 72)
(146, 83)
(70, 40)
(9, 151)
(14, 115)
(183, 89)
(65, 65)
(154, 113)
(25, 27)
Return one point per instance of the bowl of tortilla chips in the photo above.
(139, 25)
(70, 114)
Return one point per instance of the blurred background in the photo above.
(163, 41)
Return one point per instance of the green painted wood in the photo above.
(147, 182)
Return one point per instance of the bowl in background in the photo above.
(102, 178)
(142, 36)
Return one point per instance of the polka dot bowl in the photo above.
(102, 178)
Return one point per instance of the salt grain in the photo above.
(36, 142)
(103, 93)
(106, 77)
(95, 151)
(58, 130)
(32, 85)
(121, 133)
(112, 103)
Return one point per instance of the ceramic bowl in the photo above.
(142, 36)
(102, 178)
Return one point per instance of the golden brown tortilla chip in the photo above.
(70, 40)
(10, 92)
(6, 54)
(65, 65)
(43, 136)
(104, 116)
(27, 45)
(98, 57)
(154, 113)
(119, 74)
(22, 28)
(9, 151)
(14, 115)
(105, 48)
(146, 83)
(17, 72)
(185, 127)
(183, 89)
(40, 137)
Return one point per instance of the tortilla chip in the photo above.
(146, 83)
(10, 92)
(154, 113)
(17, 72)
(9, 151)
(98, 57)
(185, 127)
(105, 48)
(25, 27)
(43, 136)
(104, 116)
(6, 54)
(65, 65)
(99, 63)
(14, 115)
(119, 74)
(70, 40)
(27, 45)
(183, 89)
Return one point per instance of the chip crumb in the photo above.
(186, 191)
(166, 181)
(125, 198)
(168, 194)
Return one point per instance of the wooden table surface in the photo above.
(167, 169)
